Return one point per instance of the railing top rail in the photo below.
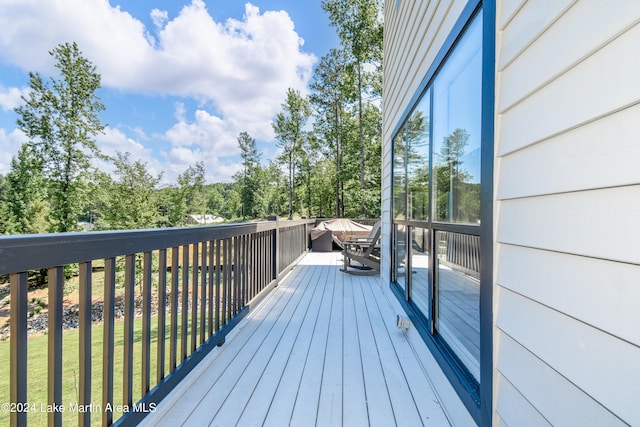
(29, 252)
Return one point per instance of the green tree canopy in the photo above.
(25, 197)
(288, 127)
(61, 121)
(132, 200)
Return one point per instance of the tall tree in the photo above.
(328, 98)
(252, 190)
(288, 127)
(61, 121)
(359, 26)
(449, 174)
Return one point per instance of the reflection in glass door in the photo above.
(400, 255)
(458, 284)
(420, 290)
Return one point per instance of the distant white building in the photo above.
(86, 226)
(204, 219)
(511, 204)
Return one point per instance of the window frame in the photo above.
(476, 395)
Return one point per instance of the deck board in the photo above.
(322, 349)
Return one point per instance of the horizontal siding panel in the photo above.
(603, 83)
(598, 223)
(514, 409)
(399, 48)
(527, 25)
(600, 293)
(408, 76)
(561, 46)
(601, 365)
(560, 402)
(505, 11)
(400, 79)
(404, 77)
(572, 161)
(395, 57)
(404, 51)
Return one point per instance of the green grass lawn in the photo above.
(37, 371)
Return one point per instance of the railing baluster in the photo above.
(173, 334)
(257, 280)
(162, 313)
(236, 275)
(194, 299)
(263, 257)
(108, 340)
(256, 263)
(253, 277)
(227, 279)
(127, 369)
(219, 303)
(54, 392)
(185, 302)
(18, 347)
(276, 251)
(146, 322)
(250, 274)
(212, 268)
(203, 291)
(243, 272)
(240, 273)
(84, 418)
(269, 249)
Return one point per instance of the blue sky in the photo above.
(180, 78)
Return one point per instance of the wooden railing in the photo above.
(203, 279)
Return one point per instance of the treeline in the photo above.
(329, 162)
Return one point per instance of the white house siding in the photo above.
(567, 213)
(413, 36)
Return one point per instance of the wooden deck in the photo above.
(322, 349)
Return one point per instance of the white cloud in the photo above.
(240, 69)
(11, 97)
(10, 143)
(242, 66)
(180, 111)
(209, 139)
(116, 141)
(159, 17)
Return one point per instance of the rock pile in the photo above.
(38, 323)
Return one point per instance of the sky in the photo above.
(180, 79)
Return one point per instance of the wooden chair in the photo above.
(365, 251)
